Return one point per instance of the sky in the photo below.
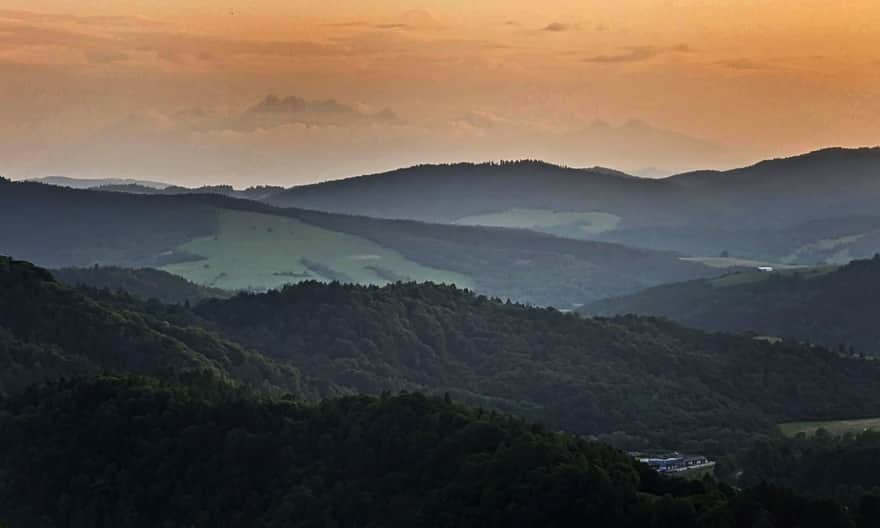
(287, 92)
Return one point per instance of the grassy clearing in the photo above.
(835, 427)
(257, 251)
(822, 247)
(697, 473)
(583, 223)
(731, 262)
(746, 277)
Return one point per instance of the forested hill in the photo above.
(813, 208)
(833, 306)
(826, 183)
(50, 331)
(146, 283)
(243, 245)
(131, 453)
(444, 193)
(637, 382)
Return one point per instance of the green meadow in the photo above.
(253, 251)
(583, 223)
(835, 427)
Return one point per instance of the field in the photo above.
(731, 262)
(696, 474)
(254, 251)
(834, 250)
(835, 427)
(571, 223)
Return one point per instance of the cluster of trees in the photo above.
(843, 466)
(49, 330)
(133, 452)
(829, 307)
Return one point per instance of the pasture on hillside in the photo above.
(572, 224)
(253, 251)
(835, 427)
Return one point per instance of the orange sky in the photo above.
(169, 89)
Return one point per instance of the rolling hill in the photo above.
(50, 331)
(90, 183)
(464, 192)
(828, 306)
(818, 207)
(635, 382)
(146, 283)
(236, 244)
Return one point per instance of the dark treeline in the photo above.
(821, 464)
(131, 452)
(829, 307)
(146, 283)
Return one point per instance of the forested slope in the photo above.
(131, 453)
(146, 283)
(636, 381)
(50, 331)
(821, 464)
(832, 307)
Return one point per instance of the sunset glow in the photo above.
(172, 90)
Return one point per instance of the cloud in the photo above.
(392, 26)
(274, 111)
(175, 45)
(556, 27)
(16, 34)
(104, 21)
(637, 54)
(742, 64)
(99, 56)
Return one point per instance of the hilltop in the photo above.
(50, 331)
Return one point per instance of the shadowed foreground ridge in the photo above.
(148, 454)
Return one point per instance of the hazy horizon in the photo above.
(287, 93)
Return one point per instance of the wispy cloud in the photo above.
(103, 21)
(99, 56)
(637, 54)
(556, 27)
(274, 111)
(742, 64)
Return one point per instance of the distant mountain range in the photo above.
(819, 207)
(829, 306)
(90, 183)
(811, 209)
(238, 244)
